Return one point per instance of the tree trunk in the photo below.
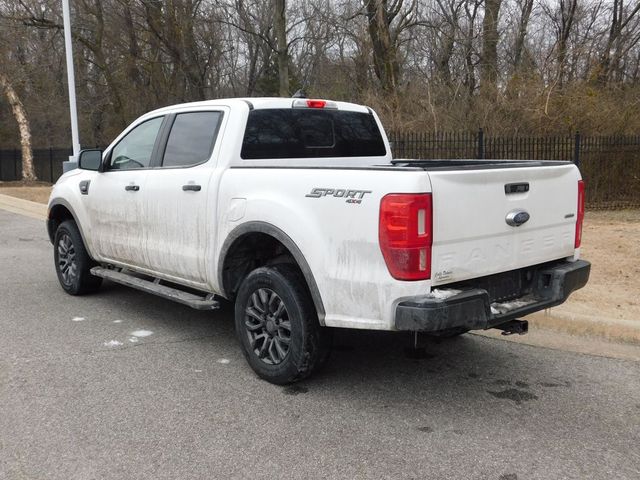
(28, 173)
(444, 55)
(280, 25)
(470, 70)
(567, 16)
(523, 25)
(489, 64)
(385, 59)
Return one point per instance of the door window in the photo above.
(135, 149)
(191, 139)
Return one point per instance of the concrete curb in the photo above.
(610, 329)
(569, 343)
(23, 207)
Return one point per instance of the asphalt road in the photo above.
(83, 397)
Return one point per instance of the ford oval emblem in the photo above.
(515, 218)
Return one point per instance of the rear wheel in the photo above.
(277, 325)
(72, 261)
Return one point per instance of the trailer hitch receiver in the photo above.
(514, 326)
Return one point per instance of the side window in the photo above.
(191, 139)
(135, 149)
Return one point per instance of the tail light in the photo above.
(580, 214)
(406, 235)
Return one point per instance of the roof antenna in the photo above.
(300, 94)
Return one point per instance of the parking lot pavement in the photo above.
(124, 385)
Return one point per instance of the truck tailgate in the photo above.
(471, 236)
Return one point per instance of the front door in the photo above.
(115, 196)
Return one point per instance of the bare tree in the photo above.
(490, 38)
(614, 49)
(567, 13)
(280, 25)
(526, 6)
(251, 38)
(471, 12)
(28, 172)
(385, 57)
(437, 64)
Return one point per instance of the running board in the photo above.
(194, 301)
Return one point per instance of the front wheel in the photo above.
(72, 261)
(277, 325)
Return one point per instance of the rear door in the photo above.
(114, 196)
(473, 219)
(179, 198)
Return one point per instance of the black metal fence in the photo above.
(47, 163)
(610, 165)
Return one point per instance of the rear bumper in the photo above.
(471, 309)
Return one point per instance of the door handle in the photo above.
(190, 187)
(132, 188)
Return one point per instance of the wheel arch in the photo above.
(59, 211)
(242, 232)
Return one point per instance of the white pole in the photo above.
(71, 81)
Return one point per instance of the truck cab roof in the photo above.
(259, 103)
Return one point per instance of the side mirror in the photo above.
(90, 159)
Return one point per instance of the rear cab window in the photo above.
(309, 133)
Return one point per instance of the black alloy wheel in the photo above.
(67, 265)
(268, 326)
(277, 325)
(72, 261)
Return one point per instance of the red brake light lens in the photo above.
(316, 103)
(406, 235)
(580, 214)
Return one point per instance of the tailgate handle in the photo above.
(516, 188)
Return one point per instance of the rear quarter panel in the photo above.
(338, 239)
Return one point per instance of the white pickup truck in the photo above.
(295, 210)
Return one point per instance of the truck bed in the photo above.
(472, 164)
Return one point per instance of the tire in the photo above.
(277, 325)
(72, 261)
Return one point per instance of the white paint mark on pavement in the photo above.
(134, 339)
(117, 321)
(113, 343)
(77, 319)
(224, 361)
(142, 333)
